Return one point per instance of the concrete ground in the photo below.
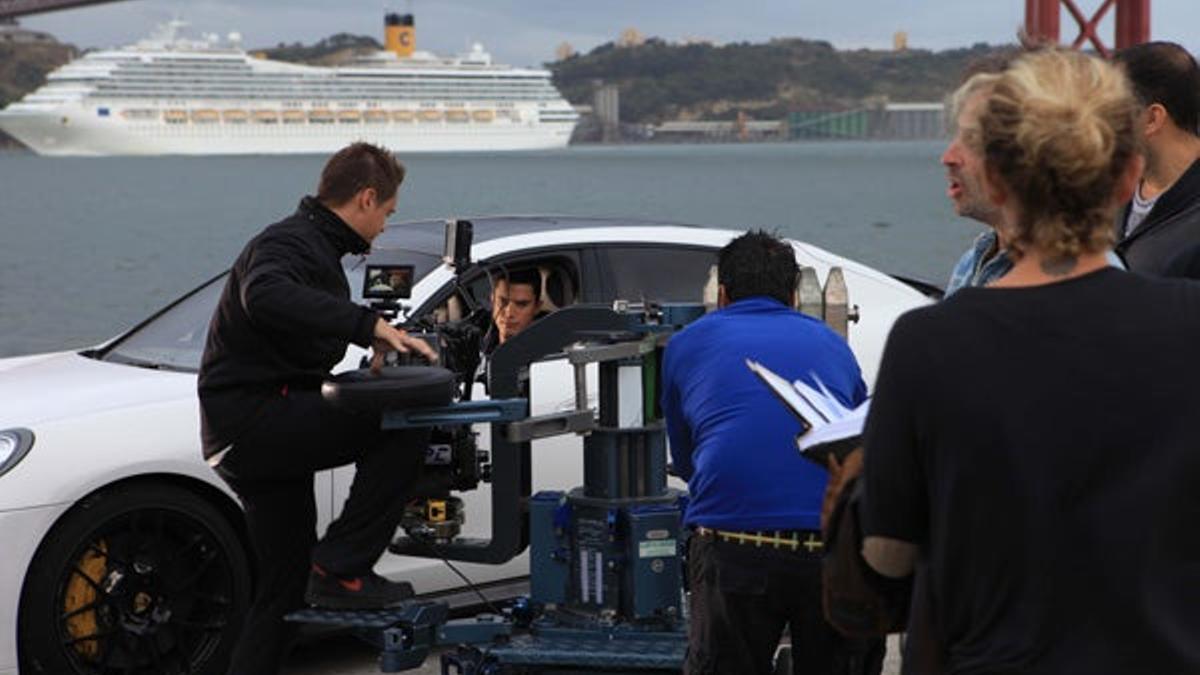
(346, 655)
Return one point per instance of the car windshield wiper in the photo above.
(118, 357)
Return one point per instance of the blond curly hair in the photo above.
(1058, 131)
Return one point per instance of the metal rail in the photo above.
(11, 9)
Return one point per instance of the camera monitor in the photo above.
(388, 282)
(457, 249)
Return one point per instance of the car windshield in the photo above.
(174, 338)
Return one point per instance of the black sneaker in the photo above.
(369, 591)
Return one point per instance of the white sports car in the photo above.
(124, 554)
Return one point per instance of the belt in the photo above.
(794, 540)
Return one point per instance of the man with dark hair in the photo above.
(283, 321)
(358, 166)
(516, 302)
(1163, 218)
(754, 557)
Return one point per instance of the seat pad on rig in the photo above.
(392, 388)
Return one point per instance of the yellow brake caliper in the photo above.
(80, 594)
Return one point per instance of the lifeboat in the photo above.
(483, 115)
(293, 116)
(320, 116)
(457, 116)
(235, 116)
(205, 117)
(139, 114)
(175, 116)
(403, 115)
(430, 115)
(349, 116)
(375, 117)
(265, 116)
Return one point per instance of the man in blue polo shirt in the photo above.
(754, 558)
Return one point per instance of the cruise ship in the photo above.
(168, 95)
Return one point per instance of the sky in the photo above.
(526, 32)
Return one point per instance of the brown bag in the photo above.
(858, 601)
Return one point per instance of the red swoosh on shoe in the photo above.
(352, 585)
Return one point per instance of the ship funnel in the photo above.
(399, 35)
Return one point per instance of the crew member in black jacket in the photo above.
(1160, 227)
(284, 320)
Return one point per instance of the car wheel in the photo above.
(137, 580)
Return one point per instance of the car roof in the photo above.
(428, 236)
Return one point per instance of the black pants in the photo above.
(271, 469)
(742, 596)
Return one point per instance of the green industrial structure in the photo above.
(827, 124)
(890, 121)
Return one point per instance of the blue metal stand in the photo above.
(404, 635)
(612, 650)
(466, 412)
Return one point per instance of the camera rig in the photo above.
(606, 558)
(606, 574)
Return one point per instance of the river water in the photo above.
(90, 246)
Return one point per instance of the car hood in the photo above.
(47, 387)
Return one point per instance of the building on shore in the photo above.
(720, 131)
(892, 121)
(606, 104)
(913, 120)
(886, 121)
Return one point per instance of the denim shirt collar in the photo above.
(973, 270)
(976, 268)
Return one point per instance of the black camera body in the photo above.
(453, 461)
(458, 345)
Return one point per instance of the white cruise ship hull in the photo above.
(172, 96)
(79, 132)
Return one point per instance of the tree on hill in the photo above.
(324, 51)
(660, 81)
(23, 68)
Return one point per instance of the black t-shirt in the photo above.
(1042, 447)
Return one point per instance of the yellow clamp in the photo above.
(436, 511)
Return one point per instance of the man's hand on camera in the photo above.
(391, 339)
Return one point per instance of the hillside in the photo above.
(23, 68)
(332, 51)
(660, 81)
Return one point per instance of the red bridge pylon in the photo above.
(1043, 18)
